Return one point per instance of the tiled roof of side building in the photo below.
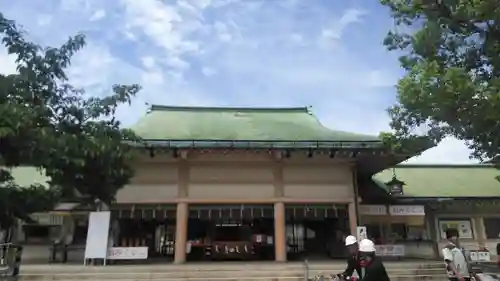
(435, 181)
(238, 124)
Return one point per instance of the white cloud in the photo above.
(153, 77)
(450, 150)
(7, 62)
(208, 71)
(296, 38)
(177, 63)
(148, 62)
(222, 31)
(337, 29)
(162, 23)
(98, 15)
(44, 20)
(202, 4)
(230, 52)
(94, 67)
(380, 78)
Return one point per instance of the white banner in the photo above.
(97, 235)
(373, 210)
(390, 250)
(407, 210)
(127, 253)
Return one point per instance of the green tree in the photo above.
(450, 51)
(47, 123)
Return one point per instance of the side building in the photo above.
(466, 197)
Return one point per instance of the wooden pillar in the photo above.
(432, 230)
(353, 207)
(182, 213)
(353, 218)
(279, 232)
(479, 230)
(279, 210)
(387, 234)
(181, 233)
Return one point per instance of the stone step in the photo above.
(394, 271)
(206, 275)
(388, 266)
(205, 267)
(262, 278)
(222, 271)
(119, 275)
(124, 274)
(404, 271)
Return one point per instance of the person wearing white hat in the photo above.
(367, 246)
(374, 269)
(351, 243)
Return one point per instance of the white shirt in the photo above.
(458, 259)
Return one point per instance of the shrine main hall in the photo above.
(241, 183)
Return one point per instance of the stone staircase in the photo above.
(252, 271)
(403, 271)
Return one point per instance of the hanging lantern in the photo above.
(395, 185)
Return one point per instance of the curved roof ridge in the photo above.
(157, 107)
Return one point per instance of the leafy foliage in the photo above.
(451, 87)
(19, 202)
(45, 122)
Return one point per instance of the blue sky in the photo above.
(327, 54)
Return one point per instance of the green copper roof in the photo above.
(444, 180)
(163, 123)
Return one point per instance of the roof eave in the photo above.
(392, 157)
(376, 163)
(264, 144)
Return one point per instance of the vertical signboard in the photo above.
(97, 236)
(361, 233)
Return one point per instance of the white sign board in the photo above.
(484, 256)
(373, 210)
(361, 233)
(128, 253)
(97, 235)
(390, 250)
(407, 210)
(464, 227)
(480, 256)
